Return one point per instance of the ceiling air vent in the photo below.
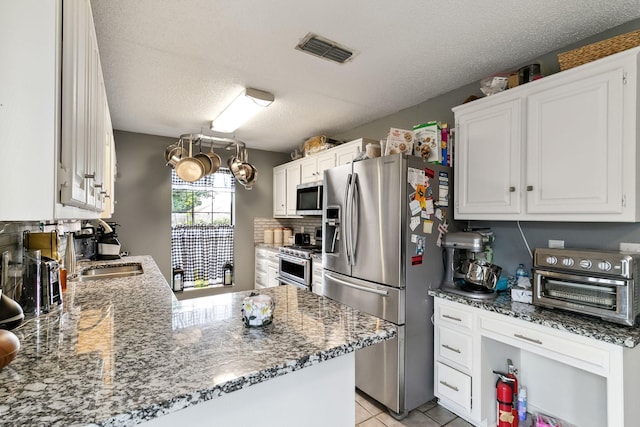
(324, 48)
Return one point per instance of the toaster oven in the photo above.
(596, 283)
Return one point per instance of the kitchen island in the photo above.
(125, 351)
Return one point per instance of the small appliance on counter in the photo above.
(108, 243)
(604, 284)
(466, 272)
(85, 243)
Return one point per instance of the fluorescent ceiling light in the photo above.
(242, 109)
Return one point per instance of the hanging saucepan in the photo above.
(235, 166)
(189, 168)
(215, 160)
(250, 172)
(205, 159)
(174, 153)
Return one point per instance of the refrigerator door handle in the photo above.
(358, 287)
(345, 224)
(355, 217)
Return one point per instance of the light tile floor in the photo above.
(370, 413)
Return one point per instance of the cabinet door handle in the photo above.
(529, 187)
(446, 384)
(512, 189)
(533, 340)
(451, 348)
(457, 319)
(90, 175)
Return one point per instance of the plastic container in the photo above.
(277, 236)
(522, 404)
(521, 272)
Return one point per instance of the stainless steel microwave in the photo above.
(309, 199)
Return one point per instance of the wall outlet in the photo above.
(630, 247)
(558, 244)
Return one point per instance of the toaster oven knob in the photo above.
(551, 260)
(604, 265)
(567, 262)
(585, 263)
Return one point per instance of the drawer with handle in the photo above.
(454, 347)
(453, 316)
(554, 344)
(453, 385)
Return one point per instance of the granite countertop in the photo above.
(587, 326)
(125, 350)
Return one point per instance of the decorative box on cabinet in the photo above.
(55, 110)
(562, 148)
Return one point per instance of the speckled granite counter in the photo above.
(587, 326)
(125, 350)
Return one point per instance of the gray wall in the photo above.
(509, 249)
(143, 202)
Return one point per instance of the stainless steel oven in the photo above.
(295, 267)
(598, 283)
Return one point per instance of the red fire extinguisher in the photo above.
(507, 396)
(512, 371)
(504, 394)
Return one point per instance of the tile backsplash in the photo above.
(296, 224)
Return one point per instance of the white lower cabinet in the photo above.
(317, 276)
(584, 381)
(454, 386)
(266, 267)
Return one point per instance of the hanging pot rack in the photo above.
(245, 173)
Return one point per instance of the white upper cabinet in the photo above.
(285, 179)
(562, 148)
(488, 150)
(280, 191)
(312, 168)
(53, 123)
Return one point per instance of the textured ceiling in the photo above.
(170, 66)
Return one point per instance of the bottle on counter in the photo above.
(521, 272)
(522, 404)
(178, 279)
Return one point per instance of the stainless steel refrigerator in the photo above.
(383, 220)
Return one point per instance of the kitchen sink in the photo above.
(108, 271)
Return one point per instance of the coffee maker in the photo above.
(108, 243)
(467, 271)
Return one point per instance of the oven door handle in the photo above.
(580, 279)
(358, 287)
(293, 259)
(291, 282)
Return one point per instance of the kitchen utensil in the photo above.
(189, 168)
(234, 163)
(206, 161)
(9, 347)
(483, 273)
(11, 314)
(174, 153)
(215, 160)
